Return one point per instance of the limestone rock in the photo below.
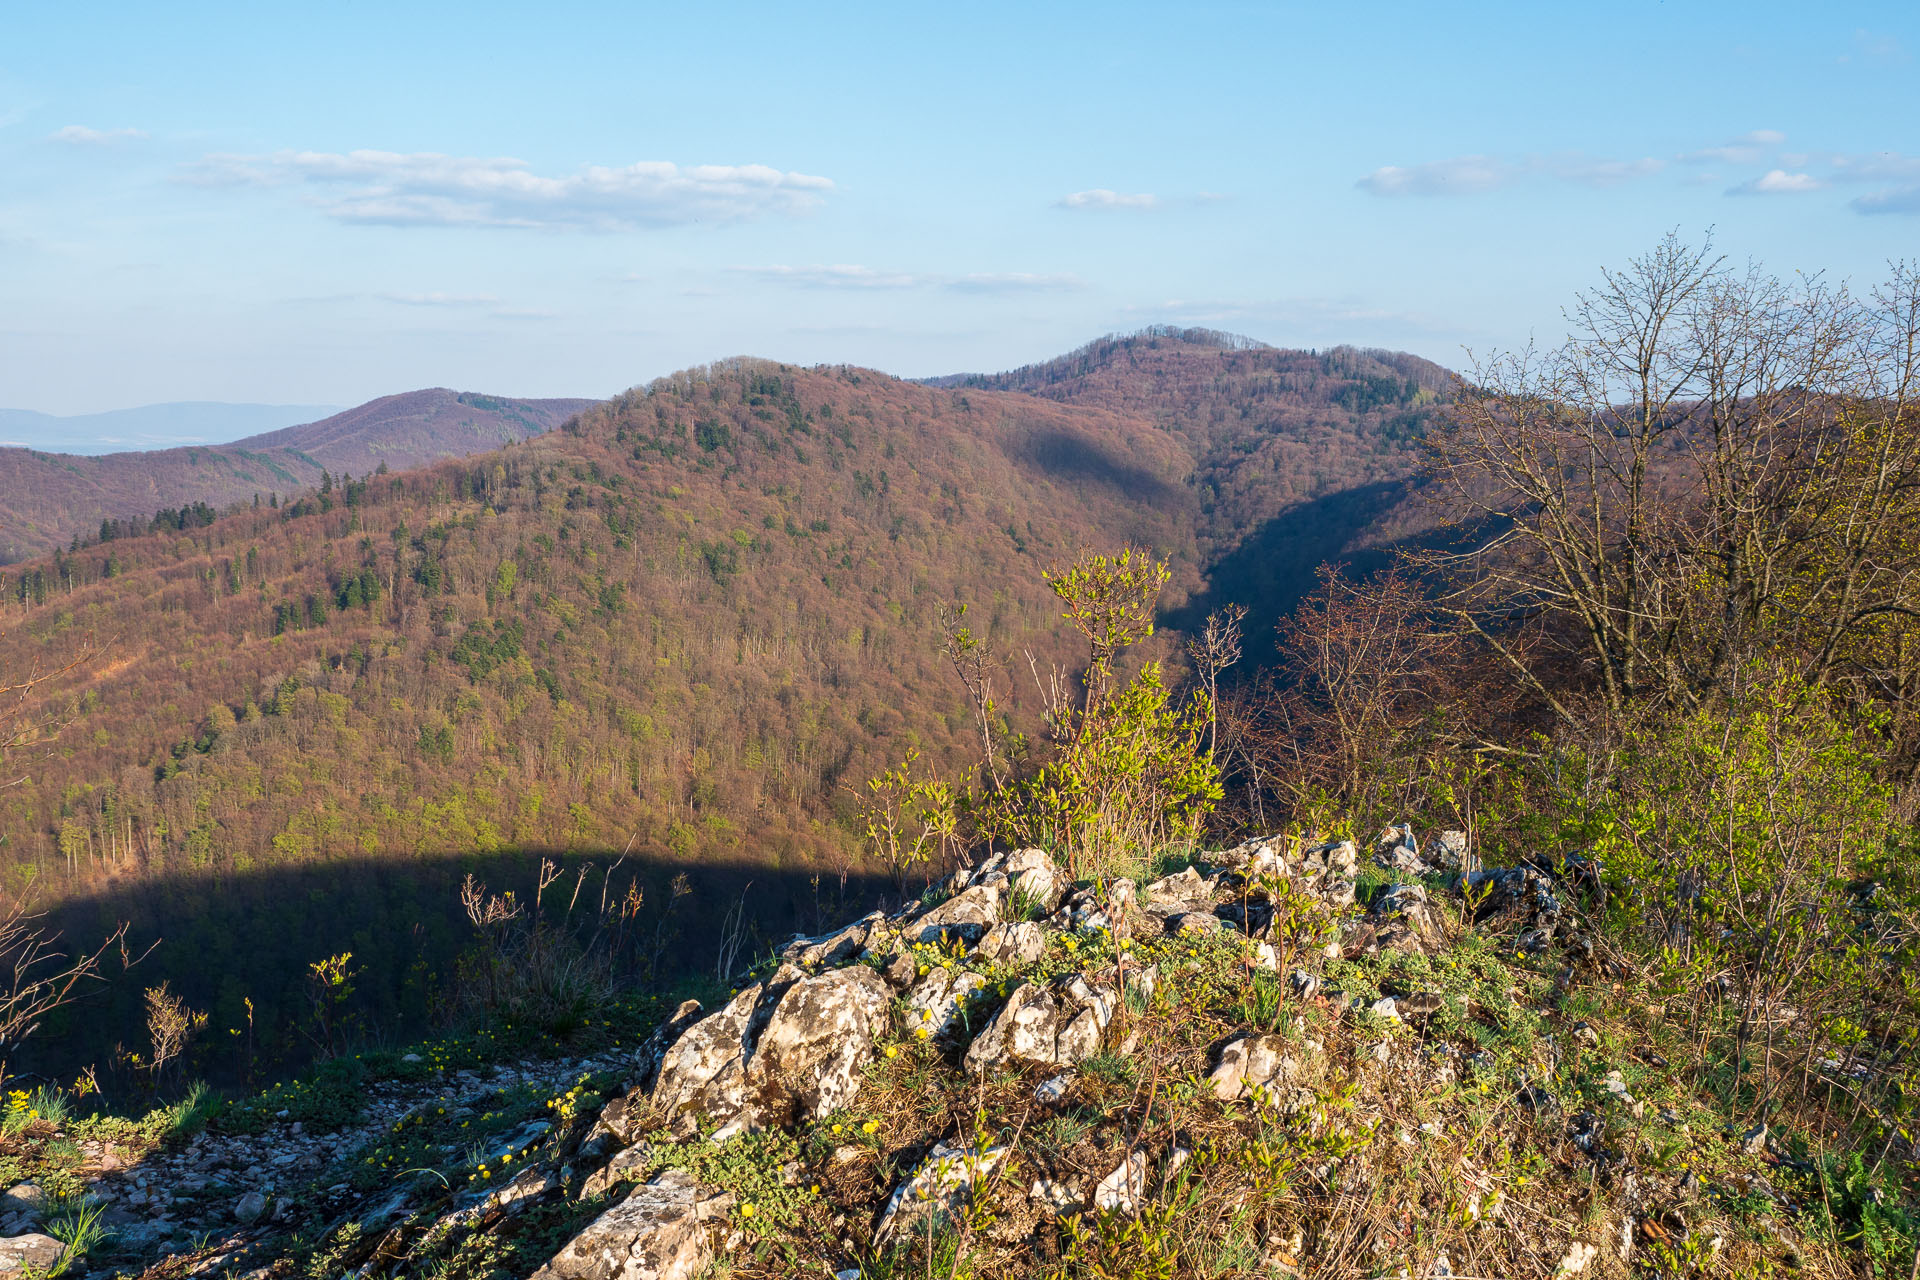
(1182, 887)
(789, 1049)
(34, 1250)
(833, 948)
(1122, 1190)
(1193, 923)
(937, 1009)
(1021, 942)
(967, 915)
(1257, 1060)
(1032, 874)
(1404, 919)
(657, 1233)
(1056, 1025)
(808, 1059)
(616, 1170)
(249, 1208)
(653, 1051)
(1576, 1258)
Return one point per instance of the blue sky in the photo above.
(321, 204)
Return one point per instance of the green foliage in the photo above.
(331, 1097)
(1855, 1209)
(79, 1223)
(907, 818)
(487, 646)
(750, 1167)
(1134, 777)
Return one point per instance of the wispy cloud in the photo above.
(1778, 182)
(79, 135)
(1462, 175)
(837, 276)
(1876, 46)
(1745, 149)
(1015, 282)
(1304, 319)
(439, 299)
(852, 277)
(430, 189)
(1471, 175)
(1102, 198)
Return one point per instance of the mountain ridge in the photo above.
(50, 499)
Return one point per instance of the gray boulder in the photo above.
(1054, 1025)
(780, 1052)
(1257, 1060)
(1032, 873)
(937, 1009)
(657, 1233)
(42, 1253)
(936, 1189)
(1020, 942)
(249, 1208)
(834, 948)
(967, 915)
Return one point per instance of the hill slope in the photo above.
(46, 499)
(1298, 457)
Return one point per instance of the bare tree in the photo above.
(1716, 461)
(20, 727)
(36, 977)
(1216, 648)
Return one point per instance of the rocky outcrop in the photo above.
(781, 1051)
(1057, 1024)
(1259, 1062)
(657, 1233)
(964, 917)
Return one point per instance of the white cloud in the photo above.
(1875, 166)
(1777, 182)
(1015, 282)
(1748, 148)
(1876, 46)
(1894, 200)
(1593, 172)
(849, 276)
(1102, 198)
(79, 135)
(1470, 175)
(429, 189)
(439, 299)
(837, 276)
(1462, 175)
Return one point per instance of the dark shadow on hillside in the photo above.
(229, 938)
(1072, 458)
(1276, 566)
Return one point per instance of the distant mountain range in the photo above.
(151, 426)
(49, 498)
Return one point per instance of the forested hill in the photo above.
(684, 621)
(1299, 457)
(1267, 427)
(47, 499)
